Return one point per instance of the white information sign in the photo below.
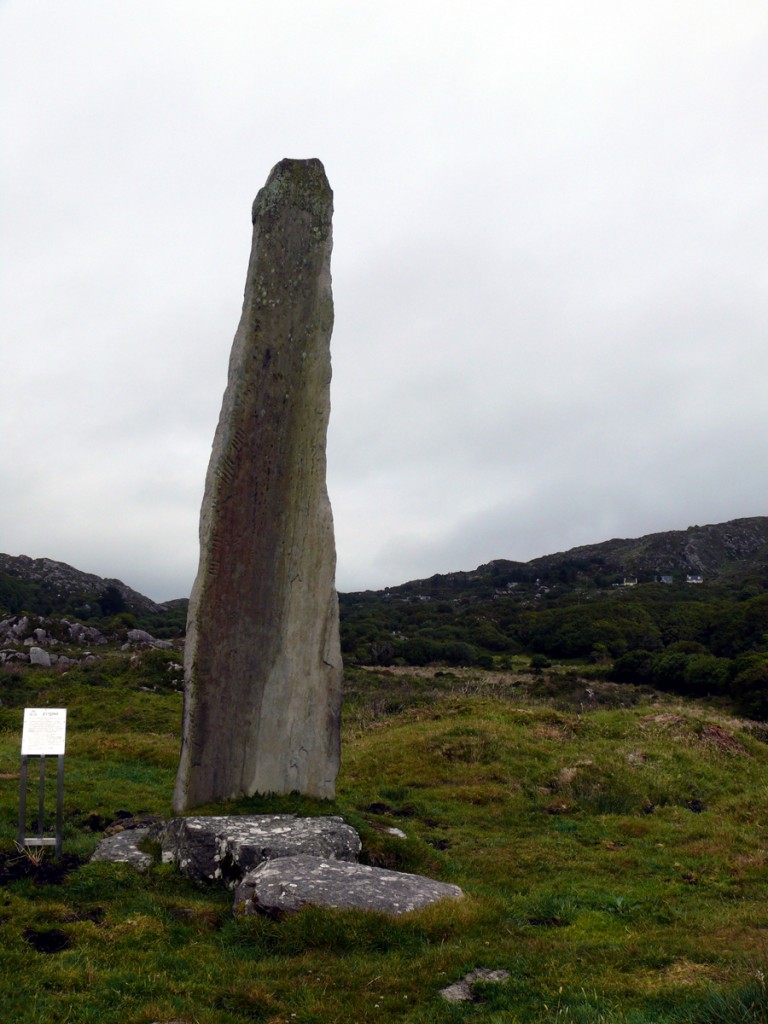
(44, 731)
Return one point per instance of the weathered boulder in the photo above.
(263, 665)
(81, 634)
(11, 654)
(226, 847)
(38, 656)
(20, 626)
(139, 636)
(290, 883)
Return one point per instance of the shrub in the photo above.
(539, 662)
(749, 688)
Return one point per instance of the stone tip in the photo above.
(293, 164)
(299, 183)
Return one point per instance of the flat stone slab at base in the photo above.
(290, 883)
(123, 848)
(226, 847)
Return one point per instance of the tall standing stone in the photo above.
(262, 671)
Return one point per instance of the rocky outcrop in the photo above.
(28, 638)
(734, 550)
(286, 885)
(227, 847)
(263, 663)
(714, 550)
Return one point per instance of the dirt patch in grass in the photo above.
(683, 973)
(665, 719)
(710, 733)
(42, 870)
(749, 863)
(46, 940)
(546, 731)
(686, 972)
(719, 738)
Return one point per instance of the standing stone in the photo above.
(262, 667)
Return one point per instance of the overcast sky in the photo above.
(549, 269)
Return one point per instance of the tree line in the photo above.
(690, 640)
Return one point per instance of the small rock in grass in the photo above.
(461, 991)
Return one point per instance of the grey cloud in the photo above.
(549, 235)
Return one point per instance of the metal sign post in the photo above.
(43, 735)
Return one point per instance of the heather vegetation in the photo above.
(610, 839)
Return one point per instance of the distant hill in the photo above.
(58, 581)
(622, 599)
(731, 551)
(730, 558)
(720, 550)
(624, 607)
(43, 586)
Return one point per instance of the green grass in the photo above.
(612, 848)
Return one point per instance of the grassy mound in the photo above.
(611, 844)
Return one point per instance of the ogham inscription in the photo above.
(262, 668)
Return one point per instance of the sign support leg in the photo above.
(23, 801)
(59, 805)
(41, 801)
(40, 839)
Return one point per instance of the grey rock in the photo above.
(20, 627)
(228, 846)
(81, 634)
(263, 669)
(139, 636)
(461, 991)
(12, 655)
(122, 848)
(287, 885)
(398, 833)
(38, 656)
(76, 630)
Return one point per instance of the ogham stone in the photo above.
(262, 667)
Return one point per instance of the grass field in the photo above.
(612, 845)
